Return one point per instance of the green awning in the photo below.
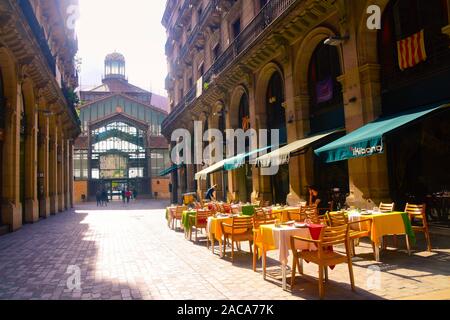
(368, 140)
(169, 170)
(238, 161)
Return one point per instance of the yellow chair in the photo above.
(201, 221)
(387, 207)
(324, 257)
(418, 212)
(340, 219)
(240, 230)
(178, 216)
(296, 215)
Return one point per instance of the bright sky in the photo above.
(131, 27)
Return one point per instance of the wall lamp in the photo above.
(336, 40)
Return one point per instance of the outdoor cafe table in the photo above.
(283, 212)
(188, 220)
(214, 230)
(273, 238)
(384, 224)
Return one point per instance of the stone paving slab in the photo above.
(128, 252)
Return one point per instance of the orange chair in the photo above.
(296, 215)
(340, 219)
(239, 231)
(418, 212)
(323, 257)
(177, 215)
(387, 207)
(201, 221)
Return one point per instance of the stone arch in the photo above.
(305, 52)
(235, 101)
(8, 68)
(262, 83)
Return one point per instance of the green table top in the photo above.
(187, 220)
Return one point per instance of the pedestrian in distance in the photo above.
(105, 198)
(124, 197)
(128, 195)
(98, 197)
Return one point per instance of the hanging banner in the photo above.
(324, 90)
(411, 51)
(199, 87)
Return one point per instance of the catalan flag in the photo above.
(411, 51)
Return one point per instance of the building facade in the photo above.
(121, 146)
(267, 64)
(38, 120)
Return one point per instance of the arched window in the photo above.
(327, 107)
(276, 114)
(244, 113)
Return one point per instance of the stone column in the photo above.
(61, 164)
(67, 175)
(293, 134)
(53, 169)
(304, 162)
(31, 161)
(369, 181)
(11, 206)
(262, 184)
(71, 176)
(43, 168)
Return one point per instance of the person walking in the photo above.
(98, 197)
(124, 197)
(135, 193)
(105, 198)
(128, 195)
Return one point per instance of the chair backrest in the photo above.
(297, 214)
(269, 215)
(226, 208)
(220, 208)
(387, 207)
(416, 210)
(179, 211)
(202, 216)
(259, 213)
(311, 213)
(331, 236)
(243, 223)
(337, 219)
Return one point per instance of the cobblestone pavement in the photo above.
(130, 253)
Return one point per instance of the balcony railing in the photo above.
(268, 14)
(198, 28)
(72, 102)
(39, 34)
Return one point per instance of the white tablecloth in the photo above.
(282, 240)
